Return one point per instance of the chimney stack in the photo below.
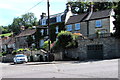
(43, 15)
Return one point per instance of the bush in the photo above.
(65, 40)
(46, 45)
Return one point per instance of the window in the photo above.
(41, 43)
(43, 21)
(42, 32)
(98, 23)
(58, 18)
(69, 27)
(77, 26)
(57, 28)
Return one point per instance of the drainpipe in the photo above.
(88, 18)
(87, 28)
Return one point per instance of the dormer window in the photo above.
(58, 18)
(43, 21)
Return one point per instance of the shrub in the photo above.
(46, 45)
(65, 40)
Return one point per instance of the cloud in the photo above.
(8, 7)
(16, 8)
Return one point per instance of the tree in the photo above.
(30, 40)
(28, 20)
(4, 29)
(65, 40)
(15, 26)
(117, 20)
(83, 7)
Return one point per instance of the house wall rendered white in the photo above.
(111, 21)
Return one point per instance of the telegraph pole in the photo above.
(48, 5)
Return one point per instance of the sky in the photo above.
(10, 9)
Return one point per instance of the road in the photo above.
(62, 69)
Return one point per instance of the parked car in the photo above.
(20, 58)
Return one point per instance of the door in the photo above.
(95, 51)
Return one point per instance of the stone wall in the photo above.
(58, 56)
(105, 26)
(111, 48)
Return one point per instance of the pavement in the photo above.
(62, 62)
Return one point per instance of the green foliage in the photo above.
(3, 53)
(117, 20)
(29, 40)
(53, 35)
(6, 35)
(20, 50)
(27, 20)
(65, 40)
(0, 54)
(83, 7)
(4, 29)
(46, 45)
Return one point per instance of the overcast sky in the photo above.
(10, 9)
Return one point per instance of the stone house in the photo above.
(57, 22)
(30, 38)
(8, 44)
(21, 39)
(92, 23)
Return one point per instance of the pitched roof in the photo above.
(27, 32)
(9, 40)
(95, 15)
(53, 18)
(76, 18)
(100, 14)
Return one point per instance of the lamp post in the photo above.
(48, 5)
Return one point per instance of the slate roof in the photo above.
(95, 15)
(76, 18)
(100, 14)
(10, 40)
(53, 18)
(26, 32)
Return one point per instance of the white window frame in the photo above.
(43, 21)
(77, 27)
(69, 27)
(58, 18)
(57, 29)
(42, 32)
(98, 23)
(41, 43)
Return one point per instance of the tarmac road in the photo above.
(62, 69)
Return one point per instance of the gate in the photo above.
(95, 51)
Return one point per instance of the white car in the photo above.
(20, 58)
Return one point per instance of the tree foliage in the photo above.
(27, 20)
(65, 40)
(83, 7)
(4, 29)
(117, 20)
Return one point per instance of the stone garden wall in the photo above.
(111, 48)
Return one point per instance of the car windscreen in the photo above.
(20, 56)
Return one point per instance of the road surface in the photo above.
(62, 69)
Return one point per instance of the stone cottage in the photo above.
(91, 23)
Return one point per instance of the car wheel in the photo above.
(14, 62)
